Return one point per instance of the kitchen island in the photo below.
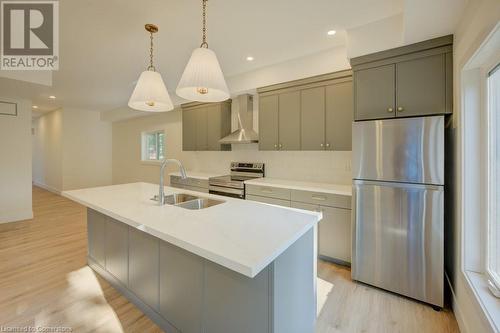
(237, 266)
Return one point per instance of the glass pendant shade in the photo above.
(202, 80)
(150, 94)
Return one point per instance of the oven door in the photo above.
(227, 191)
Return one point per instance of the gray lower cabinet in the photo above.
(186, 293)
(245, 309)
(268, 200)
(96, 236)
(144, 272)
(334, 231)
(268, 122)
(374, 92)
(117, 250)
(181, 271)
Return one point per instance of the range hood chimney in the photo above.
(245, 132)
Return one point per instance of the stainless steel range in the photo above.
(233, 185)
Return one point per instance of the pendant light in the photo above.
(150, 93)
(202, 79)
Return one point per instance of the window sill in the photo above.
(489, 303)
(147, 162)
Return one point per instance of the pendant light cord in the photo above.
(204, 44)
(151, 66)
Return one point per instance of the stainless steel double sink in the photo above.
(189, 201)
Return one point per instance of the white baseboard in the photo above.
(47, 187)
(16, 216)
(456, 307)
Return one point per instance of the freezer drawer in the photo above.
(408, 150)
(398, 238)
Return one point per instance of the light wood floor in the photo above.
(44, 281)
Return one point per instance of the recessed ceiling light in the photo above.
(249, 58)
(331, 32)
(35, 106)
(52, 97)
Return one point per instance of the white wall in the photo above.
(86, 157)
(127, 166)
(72, 149)
(47, 150)
(480, 16)
(15, 163)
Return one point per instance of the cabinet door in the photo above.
(313, 118)
(96, 223)
(289, 121)
(189, 129)
(201, 129)
(213, 127)
(334, 234)
(181, 271)
(268, 122)
(374, 93)
(339, 115)
(421, 86)
(144, 267)
(236, 303)
(117, 249)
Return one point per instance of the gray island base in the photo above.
(183, 292)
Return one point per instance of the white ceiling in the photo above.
(104, 47)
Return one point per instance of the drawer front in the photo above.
(272, 201)
(268, 191)
(324, 199)
(194, 188)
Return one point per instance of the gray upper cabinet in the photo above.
(374, 91)
(289, 121)
(268, 122)
(308, 114)
(204, 124)
(189, 119)
(313, 118)
(413, 80)
(339, 116)
(421, 86)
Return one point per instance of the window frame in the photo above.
(493, 135)
(144, 146)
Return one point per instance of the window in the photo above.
(153, 146)
(493, 250)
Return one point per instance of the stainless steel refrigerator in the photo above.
(398, 195)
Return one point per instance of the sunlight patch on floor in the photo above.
(323, 290)
(81, 306)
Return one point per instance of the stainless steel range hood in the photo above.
(245, 132)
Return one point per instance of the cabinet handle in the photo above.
(390, 110)
(400, 109)
(318, 197)
(266, 190)
(328, 144)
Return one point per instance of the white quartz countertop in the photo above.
(196, 174)
(301, 185)
(243, 236)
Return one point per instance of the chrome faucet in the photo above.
(161, 195)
